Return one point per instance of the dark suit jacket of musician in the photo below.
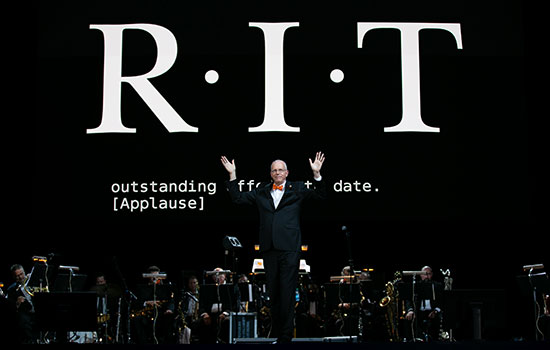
(279, 227)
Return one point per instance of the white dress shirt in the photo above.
(277, 195)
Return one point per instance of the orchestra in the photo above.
(357, 305)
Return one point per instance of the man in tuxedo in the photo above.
(279, 205)
(23, 301)
(428, 313)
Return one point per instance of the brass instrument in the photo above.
(390, 289)
(103, 318)
(360, 325)
(196, 310)
(33, 290)
(390, 302)
(148, 310)
(30, 290)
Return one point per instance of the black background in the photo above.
(463, 198)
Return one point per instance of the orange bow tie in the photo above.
(275, 187)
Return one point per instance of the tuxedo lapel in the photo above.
(289, 189)
(266, 192)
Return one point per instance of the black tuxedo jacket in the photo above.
(279, 228)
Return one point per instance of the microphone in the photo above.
(345, 230)
(348, 239)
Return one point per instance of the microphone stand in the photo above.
(71, 274)
(351, 277)
(534, 302)
(129, 297)
(415, 299)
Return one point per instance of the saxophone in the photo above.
(390, 303)
(148, 310)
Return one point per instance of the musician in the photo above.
(428, 311)
(279, 204)
(217, 300)
(26, 320)
(190, 299)
(190, 312)
(346, 315)
(243, 278)
(155, 309)
(108, 302)
(219, 277)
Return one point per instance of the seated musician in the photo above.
(427, 308)
(153, 316)
(217, 300)
(189, 305)
(344, 317)
(108, 301)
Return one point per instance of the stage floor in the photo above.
(319, 343)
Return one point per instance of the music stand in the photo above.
(66, 282)
(63, 312)
(337, 293)
(405, 290)
(224, 294)
(541, 283)
(246, 290)
(160, 292)
(38, 277)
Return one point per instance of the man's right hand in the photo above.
(20, 300)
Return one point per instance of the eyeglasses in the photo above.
(274, 171)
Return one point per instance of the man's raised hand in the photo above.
(317, 164)
(230, 167)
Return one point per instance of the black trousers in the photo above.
(281, 268)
